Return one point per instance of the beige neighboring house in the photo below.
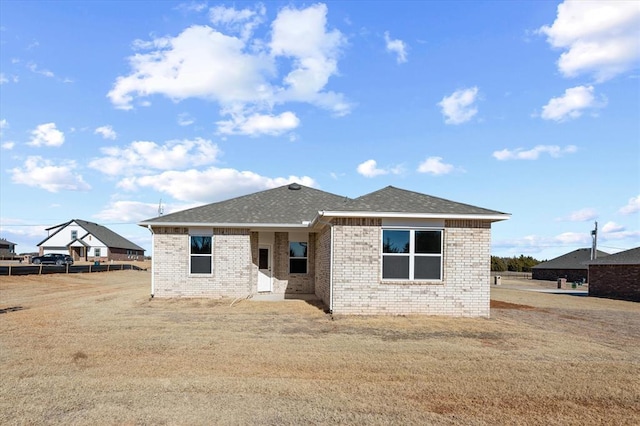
(392, 251)
(88, 241)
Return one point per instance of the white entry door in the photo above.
(264, 268)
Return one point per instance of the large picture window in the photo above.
(297, 258)
(411, 254)
(201, 254)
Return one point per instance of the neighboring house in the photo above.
(616, 276)
(7, 248)
(89, 241)
(388, 252)
(572, 266)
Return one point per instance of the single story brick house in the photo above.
(392, 251)
(7, 248)
(88, 241)
(616, 276)
(573, 266)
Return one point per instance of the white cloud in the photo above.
(3, 79)
(258, 124)
(184, 119)
(571, 104)
(601, 38)
(396, 46)
(459, 107)
(34, 68)
(240, 74)
(46, 135)
(370, 169)
(209, 185)
(610, 227)
(142, 156)
(534, 153)
(242, 22)
(41, 173)
(574, 238)
(127, 211)
(107, 132)
(435, 166)
(8, 145)
(582, 215)
(633, 206)
(4, 124)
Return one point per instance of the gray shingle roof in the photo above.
(274, 206)
(576, 259)
(396, 200)
(288, 206)
(104, 234)
(6, 242)
(627, 257)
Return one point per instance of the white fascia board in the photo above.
(304, 225)
(493, 217)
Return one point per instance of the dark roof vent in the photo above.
(294, 187)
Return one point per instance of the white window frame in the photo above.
(412, 254)
(74, 234)
(200, 234)
(96, 252)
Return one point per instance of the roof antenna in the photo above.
(160, 208)
(594, 243)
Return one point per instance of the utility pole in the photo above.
(160, 208)
(594, 243)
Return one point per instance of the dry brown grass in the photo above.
(93, 349)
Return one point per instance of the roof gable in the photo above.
(288, 204)
(296, 205)
(396, 200)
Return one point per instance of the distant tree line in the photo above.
(515, 264)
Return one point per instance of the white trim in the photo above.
(412, 254)
(304, 225)
(498, 216)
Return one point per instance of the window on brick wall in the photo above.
(297, 258)
(412, 254)
(201, 254)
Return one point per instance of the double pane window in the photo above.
(201, 252)
(297, 258)
(411, 254)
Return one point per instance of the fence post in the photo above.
(9, 270)
(40, 271)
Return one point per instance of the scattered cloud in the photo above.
(614, 231)
(184, 119)
(46, 135)
(242, 22)
(259, 124)
(3, 79)
(192, 6)
(601, 38)
(435, 166)
(571, 105)
(221, 183)
(42, 173)
(581, 215)
(142, 157)
(129, 211)
(396, 46)
(633, 206)
(106, 132)
(8, 145)
(34, 68)
(554, 151)
(370, 169)
(242, 71)
(4, 124)
(459, 107)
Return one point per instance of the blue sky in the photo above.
(530, 108)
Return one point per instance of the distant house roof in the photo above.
(4, 242)
(627, 257)
(294, 204)
(576, 259)
(104, 234)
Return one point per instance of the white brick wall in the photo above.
(464, 291)
(234, 273)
